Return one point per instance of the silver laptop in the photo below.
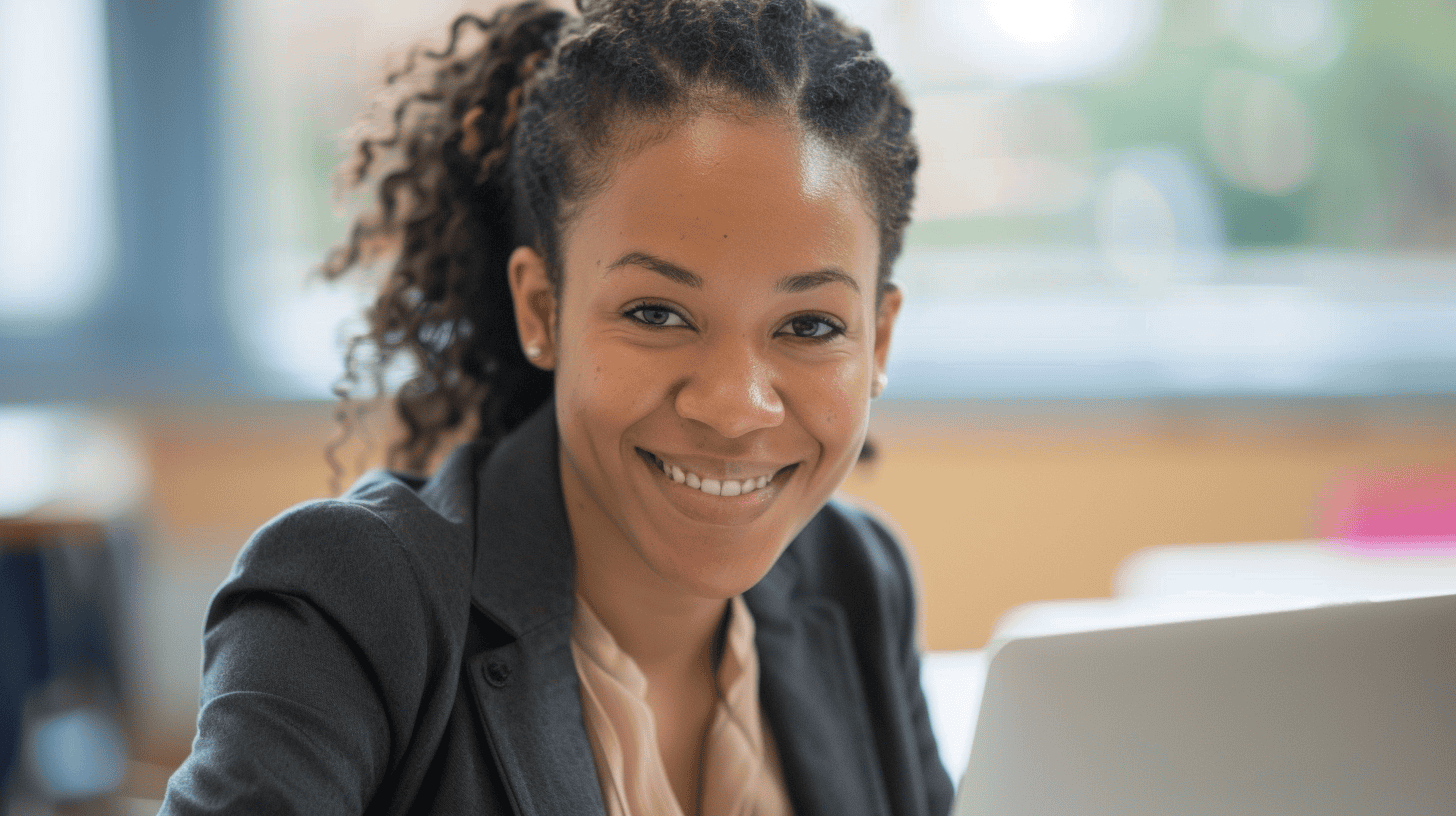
(1346, 709)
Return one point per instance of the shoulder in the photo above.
(382, 518)
(335, 645)
(380, 553)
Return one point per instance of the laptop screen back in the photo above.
(1346, 709)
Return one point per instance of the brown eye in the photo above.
(813, 328)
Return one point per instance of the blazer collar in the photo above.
(811, 695)
(525, 564)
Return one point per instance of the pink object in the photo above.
(1410, 512)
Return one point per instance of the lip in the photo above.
(718, 510)
(720, 469)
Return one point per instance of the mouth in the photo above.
(725, 488)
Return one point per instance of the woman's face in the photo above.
(717, 345)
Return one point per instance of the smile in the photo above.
(711, 486)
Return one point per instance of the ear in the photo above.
(535, 306)
(884, 326)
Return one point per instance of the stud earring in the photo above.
(881, 381)
(533, 351)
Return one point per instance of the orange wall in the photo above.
(1002, 508)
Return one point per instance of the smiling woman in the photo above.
(690, 342)
(643, 254)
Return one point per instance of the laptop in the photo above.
(1345, 709)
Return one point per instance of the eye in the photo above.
(814, 327)
(653, 314)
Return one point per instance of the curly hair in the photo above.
(490, 147)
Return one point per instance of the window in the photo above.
(1117, 197)
(56, 223)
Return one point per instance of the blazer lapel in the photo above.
(812, 700)
(527, 687)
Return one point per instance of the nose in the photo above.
(731, 390)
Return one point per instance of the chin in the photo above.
(722, 574)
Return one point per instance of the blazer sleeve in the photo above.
(316, 651)
(938, 788)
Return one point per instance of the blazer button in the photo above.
(498, 673)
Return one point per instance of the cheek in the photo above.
(609, 380)
(834, 404)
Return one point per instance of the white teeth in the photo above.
(713, 487)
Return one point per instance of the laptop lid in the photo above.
(1341, 709)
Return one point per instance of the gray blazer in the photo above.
(406, 649)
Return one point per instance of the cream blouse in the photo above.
(741, 774)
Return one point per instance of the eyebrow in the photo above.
(792, 284)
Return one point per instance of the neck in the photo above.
(661, 633)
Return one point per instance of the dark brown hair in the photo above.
(488, 148)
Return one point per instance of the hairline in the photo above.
(622, 140)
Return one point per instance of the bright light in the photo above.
(1034, 21)
(55, 162)
(63, 462)
(30, 473)
(1022, 42)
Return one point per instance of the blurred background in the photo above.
(1183, 272)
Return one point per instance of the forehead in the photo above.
(724, 192)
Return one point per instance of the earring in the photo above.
(881, 381)
(533, 351)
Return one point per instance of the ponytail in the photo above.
(443, 217)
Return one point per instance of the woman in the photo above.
(645, 253)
